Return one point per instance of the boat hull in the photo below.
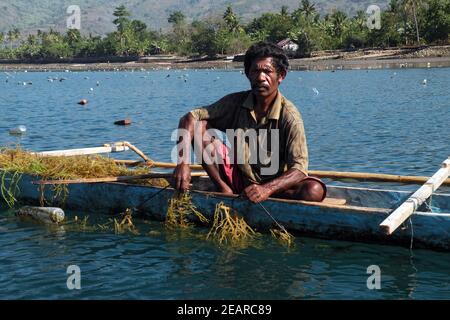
(351, 222)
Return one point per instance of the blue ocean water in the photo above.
(366, 120)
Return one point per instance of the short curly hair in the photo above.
(263, 50)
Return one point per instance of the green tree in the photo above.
(355, 35)
(389, 34)
(231, 20)
(412, 7)
(339, 24)
(437, 21)
(13, 35)
(270, 26)
(284, 11)
(176, 18)
(121, 21)
(54, 45)
(30, 49)
(204, 37)
(307, 8)
(179, 40)
(139, 30)
(73, 36)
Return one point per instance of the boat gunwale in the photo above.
(288, 201)
(350, 208)
(345, 207)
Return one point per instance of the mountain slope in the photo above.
(96, 15)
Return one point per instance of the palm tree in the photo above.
(307, 8)
(13, 35)
(394, 6)
(32, 40)
(339, 21)
(412, 6)
(307, 11)
(2, 38)
(360, 19)
(284, 11)
(73, 36)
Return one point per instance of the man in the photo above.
(263, 113)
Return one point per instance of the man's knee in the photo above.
(308, 190)
(312, 190)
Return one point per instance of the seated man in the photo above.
(269, 155)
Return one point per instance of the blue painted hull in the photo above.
(358, 220)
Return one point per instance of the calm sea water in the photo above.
(378, 121)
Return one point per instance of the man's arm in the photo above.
(220, 114)
(182, 172)
(289, 179)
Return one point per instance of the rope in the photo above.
(268, 213)
(428, 204)
(412, 235)
(265, 210)
(138, 207)
(411, 257)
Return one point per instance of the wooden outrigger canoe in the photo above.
(356, 214)
(349, 213)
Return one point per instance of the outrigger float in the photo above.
(348, 213)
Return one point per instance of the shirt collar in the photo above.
(275, 110)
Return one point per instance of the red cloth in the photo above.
(230, 171)
(235, 180)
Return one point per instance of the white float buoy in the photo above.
(424, 82)
(21, 129)
(42, 214)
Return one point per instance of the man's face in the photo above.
(264, 78)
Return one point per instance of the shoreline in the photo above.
(306, 64)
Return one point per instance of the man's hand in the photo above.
(257, 193)
(182, 177)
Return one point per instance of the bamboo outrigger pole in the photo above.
(396, 218)
(107, 148)
(114, 179)
(366, 176)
